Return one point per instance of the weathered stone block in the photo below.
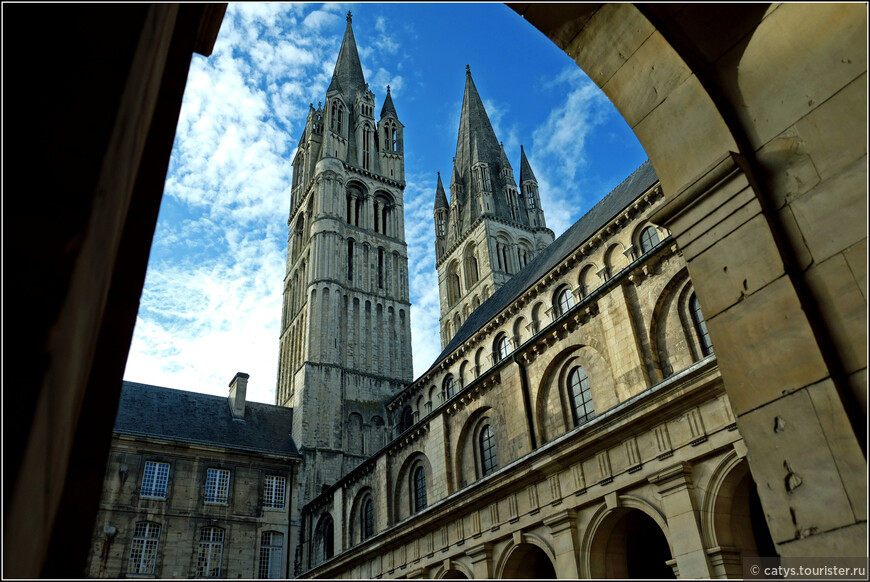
(836, 292)
(645, 80)
(832, 217)
(765, 347)
(799, 483)
(737, 266)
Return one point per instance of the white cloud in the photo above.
(559, 145)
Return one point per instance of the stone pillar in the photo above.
(481, 561)
(676, 489)
(769, 339)
(563, 526)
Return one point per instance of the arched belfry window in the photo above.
(488, 457)
(649, 238)
(700, 325)
(367, 154)
(418, 486)
(580, 394)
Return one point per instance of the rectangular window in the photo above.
(211, 550)
(143, 550)
(217, 486)
(273, 492)
(155, 480)
(271, 544)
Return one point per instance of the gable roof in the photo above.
(615, 202)
(191, 417)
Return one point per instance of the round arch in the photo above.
(455, 571)
(612, 532)
(731, 515)
(551, 410)
(402, 493)
(659, 320)
(531, 559)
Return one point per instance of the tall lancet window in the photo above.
(367, 154)
(531, 195)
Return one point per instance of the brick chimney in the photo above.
(238, 388)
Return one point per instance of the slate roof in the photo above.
(191, 417)
(600, 214)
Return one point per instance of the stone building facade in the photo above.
(579, 422)
(196, 486)
(598, 443)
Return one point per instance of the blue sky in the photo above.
(212, 299)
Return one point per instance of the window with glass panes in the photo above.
(155, 479)
(368, 519)
(449, 388)
(143, 550)
(649, 238)
(273, 492)
(581, 396)
(211, 549)
(217, 486)
(489, 460)
(271, 548)
(419, 489)
(502, 348)
(566, 301)
(700, 326)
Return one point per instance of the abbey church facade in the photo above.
(575, 425)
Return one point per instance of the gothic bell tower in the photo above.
(489, 229)
(345, 344)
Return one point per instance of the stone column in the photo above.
(563, 526)
(676, 489)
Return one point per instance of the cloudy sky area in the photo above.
(211, 305)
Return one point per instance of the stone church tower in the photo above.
(490, 229)
(345, 344)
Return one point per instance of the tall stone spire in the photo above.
(348, 75)
(474, 126)
(490, 230)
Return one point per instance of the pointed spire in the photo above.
(504, 159)
(440, 195)
(475, 131)
(388, 108)
(526, 172)
(348, 75)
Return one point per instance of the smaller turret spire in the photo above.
(440, 195)
(388, 107)
(526, 172)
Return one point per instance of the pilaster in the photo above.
(563, 527)
(678, 502)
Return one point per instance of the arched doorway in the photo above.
(528, 562)
(630, 544)
(739, 525)
(453, 575)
